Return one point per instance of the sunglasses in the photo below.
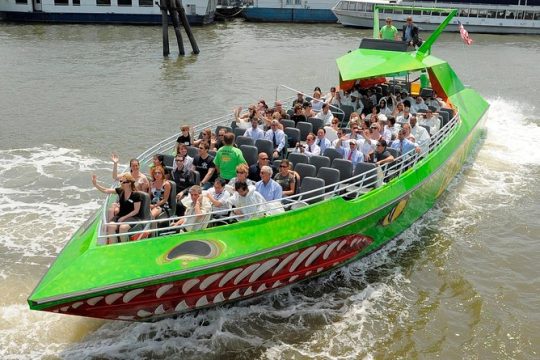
(264, 159)
(179, 160)
(283, 166)
(125, 182)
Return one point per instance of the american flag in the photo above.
(464, 34)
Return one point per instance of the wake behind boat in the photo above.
(341, 212)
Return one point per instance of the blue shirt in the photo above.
(404, 146)
(255, 134)
(280, 139)
(270, 191)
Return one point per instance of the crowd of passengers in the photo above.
(227, 185)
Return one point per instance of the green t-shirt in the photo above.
(388, 32)
(227, 159)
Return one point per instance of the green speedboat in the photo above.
(331, 222)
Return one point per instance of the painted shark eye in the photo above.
(193, 249)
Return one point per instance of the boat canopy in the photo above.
(369, 63)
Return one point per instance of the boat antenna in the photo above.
(425, 48)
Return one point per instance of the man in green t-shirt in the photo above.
(388, 31)
(228, 158)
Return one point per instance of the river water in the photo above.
(463, 282)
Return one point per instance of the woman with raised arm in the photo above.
(129, 206)
(160, 190)
(141, 181)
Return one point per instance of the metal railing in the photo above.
(350, 188)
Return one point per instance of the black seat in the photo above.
(144, 214)
(332, 154)
(347, 111)
(345, 168)
(172, 202)
(227, 129)
(287, 123)
(294, 136)
(427, 128)
(266, 146)
(426, 92)
(192, 151)
(394, 152)
(305, 128)
(250, 153)
(369, 170)
(168, 161)
(244, 140)
(239, 132)
(304, 170)
(314, 184)
(330, 176)
(320, 161)
(297, 158)
(316, 124)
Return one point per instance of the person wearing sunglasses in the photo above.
(129, 202)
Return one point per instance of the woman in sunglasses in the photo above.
(129, 207)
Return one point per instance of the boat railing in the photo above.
(348, 189)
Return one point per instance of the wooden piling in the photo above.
(185, 23)
(176, 24)
(164, 26)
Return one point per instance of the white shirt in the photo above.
(434, 123)
(223, 198)
(255, 134)
(421, 136)
(310, 150)
(326, 117)
(254, 202)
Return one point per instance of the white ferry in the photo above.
(301, 11)
(481, 16)
(199, 12)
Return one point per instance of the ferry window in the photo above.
(435, 13)
(398, 11)
(417, 12)
(124, 2)
(297, 2)
(509, 14)
(528, 15)
(519, 15)
(537, 16)
(344, 5)
(103, 2)
(146, 3)
(369, 7)
(482, 13)
(426, 13)
(407, 12)
(352, 6)
(21, 2)
(464, 13)
(491, 14)
(61, 2)
(473, 12)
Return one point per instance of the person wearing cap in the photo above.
(325, 114)
(299, 100)
(349, 150)
(388, 31)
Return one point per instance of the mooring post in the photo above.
(176, 24)
(183, 19)
(164, 26)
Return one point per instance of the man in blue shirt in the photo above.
(267, 187)
(404, 145)
(277, 137)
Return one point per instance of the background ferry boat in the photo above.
(303, 11)
(199, 12)
(484, 16)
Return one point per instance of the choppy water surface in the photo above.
(461, 283)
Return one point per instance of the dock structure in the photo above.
(176, 10)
